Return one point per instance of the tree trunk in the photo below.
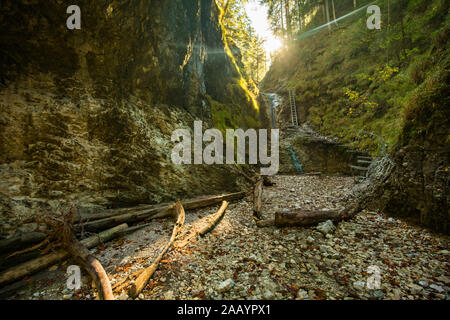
(327, 13)
(93, 267)
(300, 20)
(307, 218)
(20, 242)
(281, 17)
(32, 266)
(334, 12)
(159, 211)
(257, 199)
(288, 19)
(145, 275)
(214, 221)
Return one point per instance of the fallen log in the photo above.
(20, 242)
(81, 254)
(35, 265)
(155, 212)
(257, 199)
(305, 218)
(143, 278)
(116, 212)
(265, 223)
(214, 219)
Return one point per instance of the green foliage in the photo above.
(351, 78)
(243, 42)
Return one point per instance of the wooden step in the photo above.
(364, 162)
(364, 158)
(358, 168)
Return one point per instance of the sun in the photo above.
(272, 44)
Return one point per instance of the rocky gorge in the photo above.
(87, 115)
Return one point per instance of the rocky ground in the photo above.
(238, 260)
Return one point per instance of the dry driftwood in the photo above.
(78, 251)
(257, 199)
(213, 220)
(143, 278)
(20, 242)
(305, 218)
(32, 266)
(159, 211)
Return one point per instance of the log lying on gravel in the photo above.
(81, 254)
(20, 242)
(214, 220)
(145, 275)
(305, 218)
(32, 266)
(159, 211)
(257, 199)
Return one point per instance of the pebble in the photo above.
(423, 283)
(326, 227)
(415, 289)
(225, 286)
(359, 285)
(302, 294)
(168, 295)
(268, 295)
(437, 288)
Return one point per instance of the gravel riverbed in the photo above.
(238, 260)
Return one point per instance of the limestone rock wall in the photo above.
(86, 115)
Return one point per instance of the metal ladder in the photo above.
(293, 108)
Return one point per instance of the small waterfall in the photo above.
(274, 101)
(295, 161)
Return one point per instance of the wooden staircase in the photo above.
(363, 161)
(293, 108)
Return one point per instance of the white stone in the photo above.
(168, 295)
(359, 285)
(326, 227)
(225, 286)
(302, 294)
(268, 295)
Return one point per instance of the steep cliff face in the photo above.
(418, 185)
(87, 115)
